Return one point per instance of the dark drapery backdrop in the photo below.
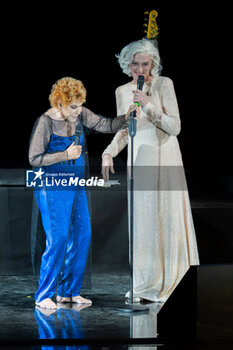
(42, 44)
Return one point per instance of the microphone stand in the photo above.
(131, 308)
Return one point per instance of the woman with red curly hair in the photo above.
(65, 214)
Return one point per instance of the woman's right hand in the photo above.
(131, 109)
(107, 163)
(74, 151)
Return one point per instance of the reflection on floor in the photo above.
(199, 312)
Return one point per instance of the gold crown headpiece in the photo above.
(152, 30)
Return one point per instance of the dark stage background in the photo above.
(42, 44)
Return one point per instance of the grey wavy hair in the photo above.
(143, 46)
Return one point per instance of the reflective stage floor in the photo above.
(198, 315)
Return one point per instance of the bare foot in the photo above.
(47, 304)
(80, 300)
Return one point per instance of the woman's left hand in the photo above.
(140, 97)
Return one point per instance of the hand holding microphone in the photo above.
(74, 151)
(140, 97)
(76, 147)
(133, 109)
(133, 122)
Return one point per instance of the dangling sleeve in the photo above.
(120, 140)
(102, 124)
(167, 118)
(39, 142)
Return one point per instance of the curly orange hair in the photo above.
(67, 90)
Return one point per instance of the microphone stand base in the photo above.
(130, 309)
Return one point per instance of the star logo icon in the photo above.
(38, 174)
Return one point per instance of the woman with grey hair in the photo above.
(164, 236)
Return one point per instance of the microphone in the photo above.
(78, 133)
(140, 82)
(133, 121)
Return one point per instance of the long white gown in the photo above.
(164, 236)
